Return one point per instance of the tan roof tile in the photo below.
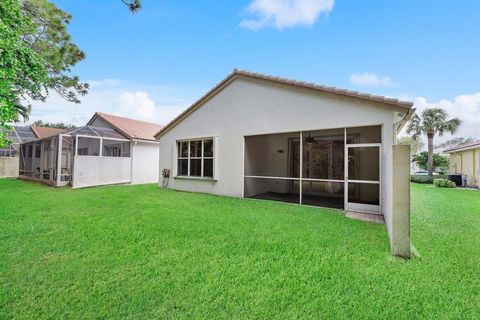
(42, 132)
(466, 146)
(134, 129)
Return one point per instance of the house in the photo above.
(109, 149)
(9, 160)
(263, 137)
(465, 159)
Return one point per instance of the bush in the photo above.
(425, 178)
(440, 162)
(444, 183)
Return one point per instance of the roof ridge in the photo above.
(127, 118)
(324, 87)
(464, 145)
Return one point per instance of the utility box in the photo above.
(459, 179)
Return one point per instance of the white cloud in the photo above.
(136, 105)
(282, 14)
(158, 104)
(466, 107)
(367, 79)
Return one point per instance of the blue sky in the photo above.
(171, 52)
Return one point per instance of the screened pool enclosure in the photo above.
(53, 159)
(16, 135)
(337, 168)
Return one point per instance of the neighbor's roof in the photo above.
(133, 129)
(43, 132)
(277, 80)
(463, 147)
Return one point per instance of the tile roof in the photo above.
(466, 146)
(133, 129)
(278, 80)
(329, 89)
(43, 132)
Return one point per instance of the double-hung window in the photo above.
(195, 158)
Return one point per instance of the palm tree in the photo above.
(431, 122)
(133, 5)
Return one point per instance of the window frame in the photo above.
(127, 145)
(189, 158)
(101, 146)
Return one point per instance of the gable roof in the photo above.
(395, 103)
(131, 128)
(19, 134)
(42, 132)
(463, 147)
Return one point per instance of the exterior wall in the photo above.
(398, 223)
(467, 162)
(477, 166)
(94, 171)
(145, 162)
(9, 167)
(246, 108)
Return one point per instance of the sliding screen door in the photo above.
(363, 177)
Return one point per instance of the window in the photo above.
(116, 148)
(88, 146)
(195, 158)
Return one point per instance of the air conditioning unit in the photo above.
(459, 179)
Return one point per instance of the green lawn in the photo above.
(144, 252)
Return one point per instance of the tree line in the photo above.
(37, 55)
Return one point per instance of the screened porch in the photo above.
(52, 160)
(310, 168)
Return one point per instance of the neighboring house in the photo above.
(9, 156)
(465, 159)
(108, 150)
(262, 137)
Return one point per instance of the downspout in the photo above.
(132, 147)
(474, 176)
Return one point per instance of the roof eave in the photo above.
(460, 149)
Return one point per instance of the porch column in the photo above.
(34, 153)
(400, 235)
(59, 160)
(51, 157)
(42, 157)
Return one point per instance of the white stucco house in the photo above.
(109, 149)
(263, 137)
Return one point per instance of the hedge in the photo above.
(444, 183)
(425, 178)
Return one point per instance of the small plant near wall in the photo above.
(166, 177)
(165, 173)
(444, 183)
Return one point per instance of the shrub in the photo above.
(440, 162)
(444, 183)
(425, 178)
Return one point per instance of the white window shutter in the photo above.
(215, 158)
(173, 173)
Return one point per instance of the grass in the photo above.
(144, 252)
